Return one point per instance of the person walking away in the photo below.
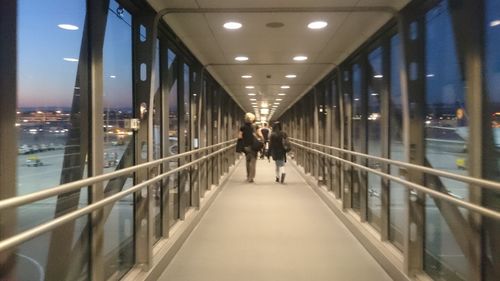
(248, 134)
(265, 132)
(278, 151)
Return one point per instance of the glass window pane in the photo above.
(397, 191)
(357, 132)
(173, 134)
(446, 135)
(157, 141)
(52, 147)
(375, 80)
(118, 141)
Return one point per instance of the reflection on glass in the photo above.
(396, 150)
(446, 134)
(357, 133)
(375, 80)
(118, 141)
(491, 151)
(157, 141)
(187, 129)
(335, 133)
(173, 135)
(51, 145)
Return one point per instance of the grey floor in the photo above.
(269, 231)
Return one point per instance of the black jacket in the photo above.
(276, 149)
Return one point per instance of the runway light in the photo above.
(317, 24)
(66, 26)
(232, 25)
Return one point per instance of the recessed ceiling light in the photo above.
(285, 87)
(378, 76)
(232, 25)
(276, 103)
(251, 94)
(291, 76)
(254, 106)
(249, 87)
(299, 58)
(279, 99)
(67, 26)
(246, 76)
(317, 24)
(70, 59)
(275, 106)
(241, 58)
(495, 23)
(281, 94)
(253, 99)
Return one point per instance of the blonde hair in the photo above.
(249, 117)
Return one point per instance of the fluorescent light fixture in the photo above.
(232, 25)
(254, 103)
(281, 94)
(70, 59)
(285, 87)
(246, 76)
(378, 76)
(241, 58)
(317, 24)
(254, 106)
(495, 23)
(276, 103)
(264, 111)
(279, 99)
(264, 104)
(290, 76)
(299, 58)
(253, 99)
(275, 106)
(250, 87)
(66, 26)
(251, 94)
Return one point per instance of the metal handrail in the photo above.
(56, 222)
(467, 179)
(68, 187)
(431, 192)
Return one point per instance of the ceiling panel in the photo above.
(271, 49)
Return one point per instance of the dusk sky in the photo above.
(45, 78)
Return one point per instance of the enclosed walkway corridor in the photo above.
(270, 231)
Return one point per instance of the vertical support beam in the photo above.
(385, 139)
(98, 13)
(8, 144)
(412, 94)
(315, 133)
(144, 54)
(181, 140)
(165, 141)
(362, 176)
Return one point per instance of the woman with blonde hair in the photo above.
(249, 137)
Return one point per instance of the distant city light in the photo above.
(70, 59)
(430, 75)
(66, 26)
(232, 25)
(112, 76)
(378, 76)
(374, 94)
(495, 23)
(317, 24)
(299, 58)
(356, 99)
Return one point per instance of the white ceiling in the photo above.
(270, 50)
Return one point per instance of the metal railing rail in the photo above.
(83, 183)
(431, 192)
(45, 227)
(467, 179)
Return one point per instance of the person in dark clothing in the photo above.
(277, 151)
(247, 133)
(265, 132)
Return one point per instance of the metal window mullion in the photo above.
(362, 179)
(8, 139)
(345, 92)
(165, 142)
(181, 140)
